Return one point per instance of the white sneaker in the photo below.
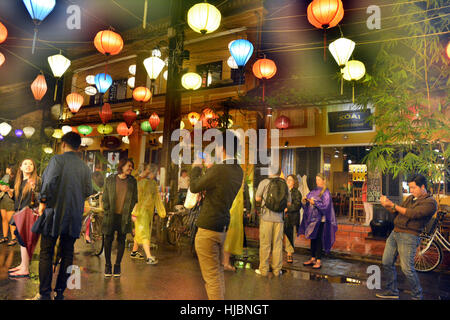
(257, 271)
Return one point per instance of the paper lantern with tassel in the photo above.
(154, 121)
(108, 42)
(39, 87)
(129, 117)
(106, 113)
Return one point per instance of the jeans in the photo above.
(121, 239)
(66, 244)
(403, 245)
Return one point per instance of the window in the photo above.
(211, 73)
(118, 90)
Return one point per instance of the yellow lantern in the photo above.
(154, 66)
(191, 81)
(48, 150)
(353, 71)
(58, 134)
(204, 18)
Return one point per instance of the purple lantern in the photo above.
(1, 138)
(19, 133)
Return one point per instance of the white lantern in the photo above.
(165, 74)
(154, 66)
(132, 69)
(204, 18)
(5, 129)
(131, 82)
(90, 91)
(59, 64)
(353, 70)
(48, 150)
(342, 50)
(90, 79)
(86, 141)
(232, 63)
(160, 139)
(156, 52)
(191, 81)
(66, 129)
(230, 43)
(29, 131)
(126, 140)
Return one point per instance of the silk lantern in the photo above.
(232, 63)
(59, 64)
(29, 131)
(142, 94)
(154, 121)
(131, 82)
(123, 130)
(90, 79)
(191, 81)
(38, 10)
(90, 91)
(105, 129)
(58, 134)
(193, 118)
(204, 18)
(108, 42)
(18, 133)
(153, 66)
(85, 130)
(66, 129)
(2, 59)
(353, 71)
(103, 82)
(146, 127)
(106, 113)
(282, 122)
(3, 33)
(74, 102)
(5, 129)
(264, 69)
(341, 50)
(241, 50)
(39, 87)
(132, 69)
(129, 117)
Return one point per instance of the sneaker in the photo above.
(151, 260)
(136, 255)
(257, 271)
(387, 295)
(58, 295)
(40, 297)
(116, 271)
(108, 270)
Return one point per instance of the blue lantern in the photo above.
(103, 81)
(241, 50)
(38, 10)
(1, 138)
(19, 133)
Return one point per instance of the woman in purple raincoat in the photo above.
(319, 221)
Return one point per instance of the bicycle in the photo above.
(91, 229)
(430, 250)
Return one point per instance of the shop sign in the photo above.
(345, 121)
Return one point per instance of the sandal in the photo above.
(14, 269)
(13, 242)
(4, 239)
(309, 263)
(229, 268)
(290, 259)
(19, 275)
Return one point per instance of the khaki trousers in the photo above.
(209, 248)
(270, 238)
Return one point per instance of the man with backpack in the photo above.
(274, 194)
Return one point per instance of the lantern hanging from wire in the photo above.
(204, 18)
(104, 129)
(3, 33)
(90, 79)
(325, 14)
(85, 130)
(193, 117)
(142, 94)
(74, 102)
(29, 131)
(18, 133)
(5, 129)
(341, 50)
(131, 82)
(66, 129)
(129, 117)
(241, 50)
(153, 66)
(39, 87)
(146, 127)
(103, 82)
(282, 122)
(105, 113)
(108, 42)
(90, 91)
(353, 71)
(38, 10)
(232, 63)
(123, 129)
(154, 121)
(2, 59)
(59, 65)
(264, 69)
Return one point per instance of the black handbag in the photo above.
(44, 223)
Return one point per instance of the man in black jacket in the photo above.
(221, 182)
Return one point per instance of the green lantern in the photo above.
(85, 130)
(105, 129)
(145, 126)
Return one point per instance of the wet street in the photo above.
(178, 277)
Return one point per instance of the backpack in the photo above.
(277, 195)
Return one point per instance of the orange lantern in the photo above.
(193, 118)
(264, 69)
(123, 130)
(2, 59)
(448, 50)
(39, 87)
(74, 102)
(142, 94)
(209, 118)
(154, 121)
(3, 32)
(108, 42)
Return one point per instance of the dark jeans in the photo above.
(316, 244)
(66, 244)
(290, 222)
(117, 226)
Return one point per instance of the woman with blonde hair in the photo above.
(319, 221)
(142, 214)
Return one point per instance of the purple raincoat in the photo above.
(312, 217)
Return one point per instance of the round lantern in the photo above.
(103, 81)
(85, 130)
(90, 79)
(129, 117)
(341, 50)
(66, 129)
(123, 130)
(108, 42)
(132, 69)
(105, 129)
(146, 127)
(39, 87)
(264, 69)
(58, 134)
(87, 141)
(59, 64)
(193, 118)
(3, 32)
(153, 66)
(5, 129)
(229, 44)
(126, 140)
(142, 94)
(204, 18)
(18, 133)
(232, 63)
(48, 150)
(74, 102)
(90, 91)
(106, 113)
(154, 121)
(131, 82)
(29, 131)
(241, 50)
(448, 50)
(324, 14)
(2, 59)
(165, 74)
(191, 81)
(353, 70)
(282, 122)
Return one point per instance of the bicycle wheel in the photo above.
(427, 261)
(174, 230)
(97, 236)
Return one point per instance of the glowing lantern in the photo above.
(3, 33)
(132, 69)
(264, 69)
(90, 79)
(126, 140)
(18, 133)
(90, 91)
(342, 50)
(1, 138)
(161, 139)
(74, 102)
(5, 129)
(282, 122)
(241, 50)
(38, 10)
(229, 44)
(2, 59)
(105, 129)
(165, 74)
(146, 127)
(353, 71)
(87, 141)
(191, 81)
(204, 18)
(181, 125)
(29, 131)
(66, 129)
(142, 94)
(59, 64)
(108, 42)
(232, 63)
(39, 87)
(154, 121)
(209, 118)
(103, 81)
(131, 82)
(85, 130)
(154, 66)
(48, 150)
(193, 118)
(129, 117)
(106, 113)
(58, 134)
(448, 50)
(156, 52)
(123, 130)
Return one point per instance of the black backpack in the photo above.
(277, 195)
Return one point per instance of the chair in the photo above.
(358, 213)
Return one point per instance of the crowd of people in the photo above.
(53, 206)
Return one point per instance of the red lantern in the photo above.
(264, 69)
(154, 121)
(3, 32)
(193, 118)
(39, 87)
(282, 122)
(142, 94)
(108, 42)
(207, 117)
(123, 129)
(74, 102)
(106, 113)
(129, 117)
